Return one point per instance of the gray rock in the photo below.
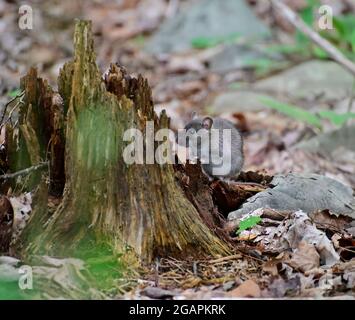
(157, 293)
(343, 106)
(227, 286)
(9, 273)
(238, 56)
(328, 143)
(237, 101)
(8, 269)
(210, 19)
(306, 192)
(9, 260)
(315, 81)
(312, 80)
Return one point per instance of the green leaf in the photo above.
(301, 40)
(14, 93)
(344, 24)
(284, 48)
(345, 27)
(292, 111)
(140, 39)
(203, 42)
(261, 65)
(339, 26)
(320, 53)
(248, 223)
(336, 118)
(307, 16)
(236, 85)
(209, 42)
(352, 41)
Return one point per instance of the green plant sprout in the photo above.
(210, 42)
(248, 223)
(292, 111)
(315, 120)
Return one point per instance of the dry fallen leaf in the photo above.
(248, 235)
(187, 88)
(328, 220)
(303, 228)
(335, 240)
(183, 64)
(305, 257)
(271, 268)
(280, 288)
(247, 289)
(6, 222)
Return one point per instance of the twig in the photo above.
(223, 259)
(351, 99)
(172, 9)
(24, 171)
(297, 22)
(7, 104)
(346, 249)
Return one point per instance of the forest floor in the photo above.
(294, 107)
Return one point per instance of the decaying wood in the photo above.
(6, 222)
(24, 171)
(215, 199)
(196, 187)
(229, 196)
(38, 136)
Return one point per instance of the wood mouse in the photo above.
(219, 148)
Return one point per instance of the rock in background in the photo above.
(210, 19)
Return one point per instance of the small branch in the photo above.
(172, 9)
(21, 95)
(228, 258)
(297, 22)
(352, 98)
(24, 171)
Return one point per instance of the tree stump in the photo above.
(137, 206)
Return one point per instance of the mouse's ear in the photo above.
(207, 123)
(193, 115)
